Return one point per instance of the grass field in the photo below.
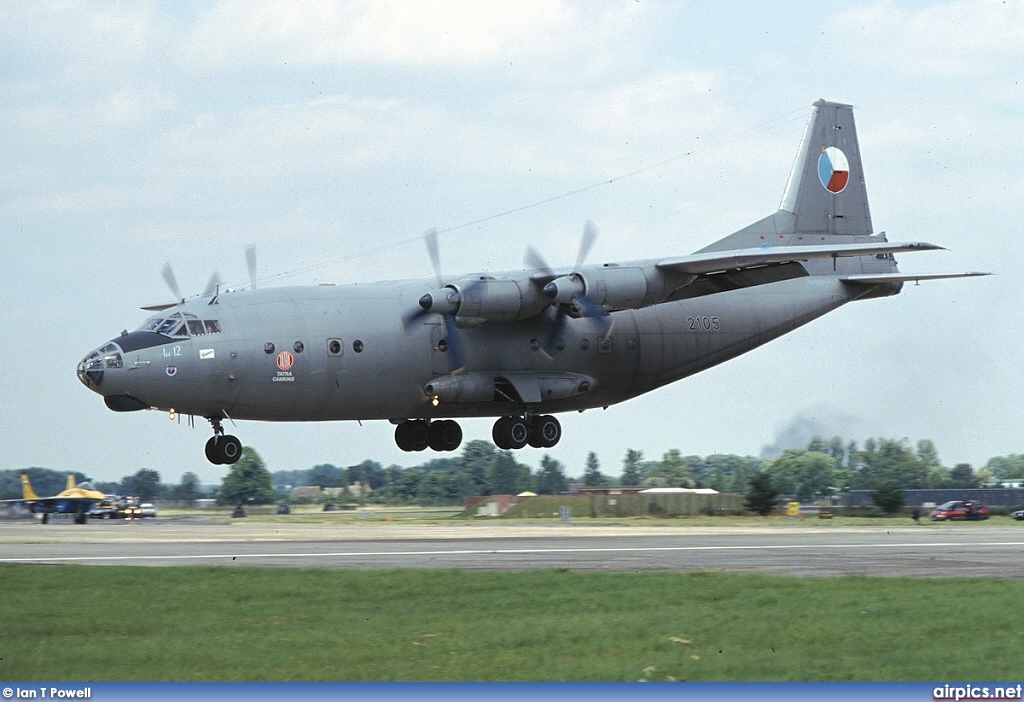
(69, 623)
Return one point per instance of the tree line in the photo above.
(822, 468)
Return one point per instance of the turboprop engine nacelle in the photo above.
(487, 299)
(616, 288)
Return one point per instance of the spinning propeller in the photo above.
(568, 293)
(444, 301)
(212, 286)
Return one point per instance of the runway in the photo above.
(931, 550)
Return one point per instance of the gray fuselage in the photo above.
(341, 353)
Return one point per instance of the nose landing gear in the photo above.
(222, 449)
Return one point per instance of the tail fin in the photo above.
(826, 191)
(826, 194)
(26, 488)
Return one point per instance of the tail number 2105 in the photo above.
(703, 323)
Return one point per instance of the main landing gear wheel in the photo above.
(510, 433)
(419, 434)
(516, 432)
(445, 435)
(412, 435)
(545, 431)
(223, 450)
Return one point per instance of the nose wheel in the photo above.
(222, 449)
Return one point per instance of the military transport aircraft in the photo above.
(520, 346)
(75, 499)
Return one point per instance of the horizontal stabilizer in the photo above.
(878, 279)
(702, 263)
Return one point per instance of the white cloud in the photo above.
(436, 32)
(949, 40)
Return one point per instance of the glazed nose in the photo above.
(92, 367)
(90, 371)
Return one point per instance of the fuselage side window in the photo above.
(181, 331)
(212, 326)
(196, 328)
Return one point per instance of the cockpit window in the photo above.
(167, 326)
(181, 325)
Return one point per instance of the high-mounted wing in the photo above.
(701, 264)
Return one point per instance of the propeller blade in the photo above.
(587, 242)
(412, 317)
(534, 260)
(594, 311)
(554, 332)
(454, 339)
(211, 287)
(171, 281)
(250, 262)
(430, 238)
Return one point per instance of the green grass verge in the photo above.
(68, 623)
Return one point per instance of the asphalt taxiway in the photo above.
(930, 550)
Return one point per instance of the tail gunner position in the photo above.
(520, 346)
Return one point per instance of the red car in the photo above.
(960, 509)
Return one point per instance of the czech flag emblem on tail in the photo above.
(833, 170)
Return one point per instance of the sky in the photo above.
(332, 135)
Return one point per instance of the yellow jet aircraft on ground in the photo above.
(75, 499)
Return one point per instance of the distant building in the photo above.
(358, 489)
(493, 505)
(306, 492)
(616, 491)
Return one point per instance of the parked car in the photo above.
(960, 509)
(1018, 515)
(116, 507)
(147, 509)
